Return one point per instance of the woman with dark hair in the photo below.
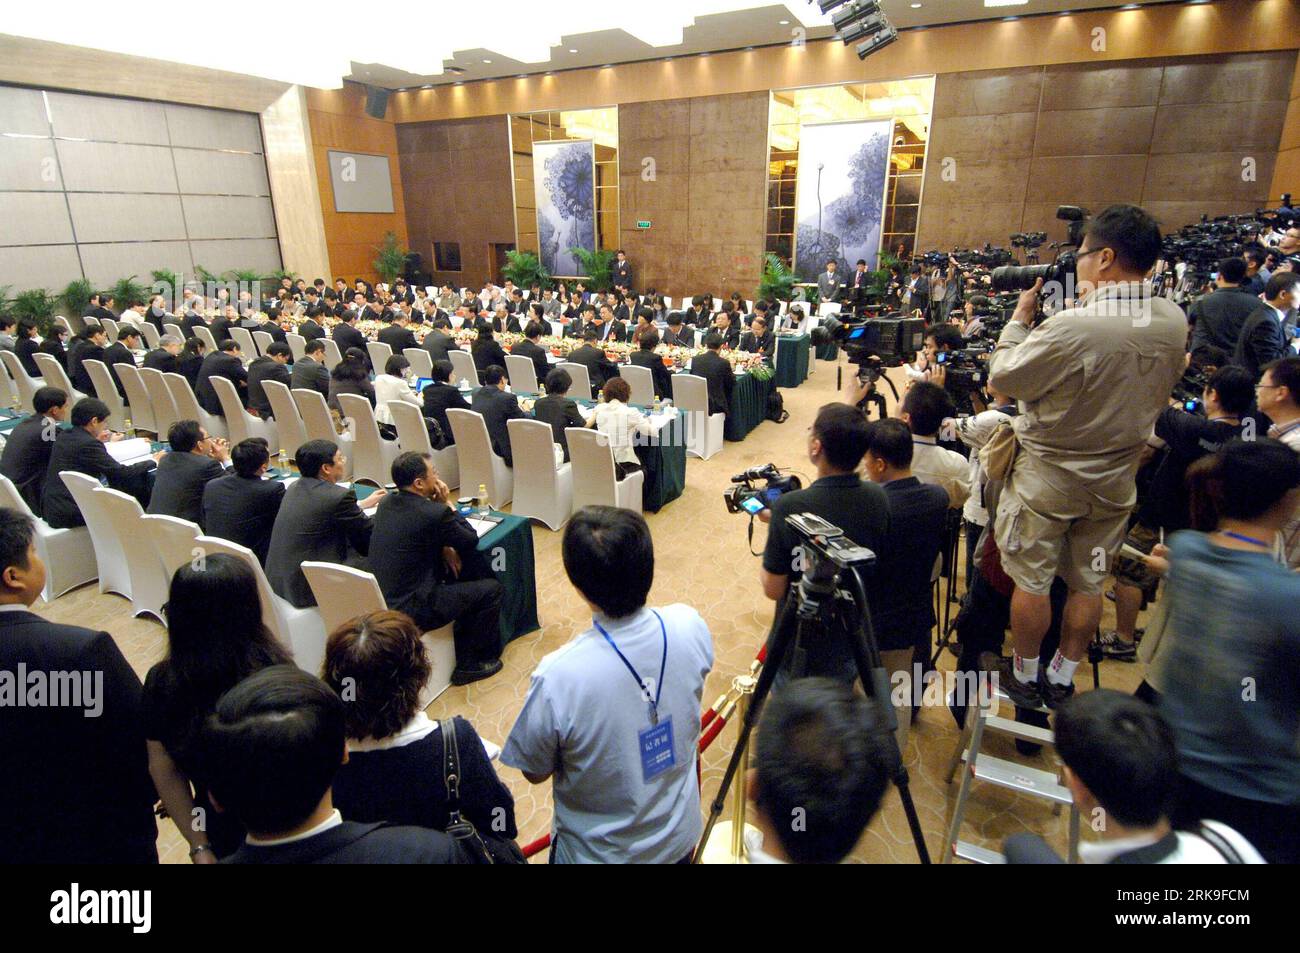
(190, 360)
(392, 385)
(352, 376)
(53, 345)
(1230, 679)
(208, 653)
(486, 351)
(624, 427)
(27, 345)
(395, 767)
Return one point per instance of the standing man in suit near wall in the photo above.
(78, 790)
(830, 282)
(715, 369)
(622, 271)
(26, 457)
(1263, 339)
(318, 520)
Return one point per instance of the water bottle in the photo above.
(658, 406)
(484, 508)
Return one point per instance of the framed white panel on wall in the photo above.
(361, 182)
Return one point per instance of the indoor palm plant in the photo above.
(596, 266)
(128, 291)
(76, 296)
(525, 269)
(391, 260)
(38, 305)
(778, 280)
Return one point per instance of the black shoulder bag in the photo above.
(483, 851)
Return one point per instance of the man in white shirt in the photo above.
(1121, 768)
(613, 718)
(924, 409)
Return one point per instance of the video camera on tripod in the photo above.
(743, 495)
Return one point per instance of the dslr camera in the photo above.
(1061, 271)
(744, 495)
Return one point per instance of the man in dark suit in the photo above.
(271, 366)
(726, 326)
(164, 357)
(558, 409)
(241, 506)
(599, 367)
(310, 329)
(439, 344)
(759, 340)
(1263, 339)
(100, 307)
(645, 356)
(531, 349)
(346, 334)
(157, 314)
(81, 449)
(310, 372)
(88, 346)
(622, 271)
(497, 407)
(221, 326)
(1218, 317)
(677, 334)
(397, 335)
(274, 745)
(78, 789)
(715, 369)
(606, 328)
(441, 396)
(272, 326)
(317, 520)
(195, 459)
(26, 457)
(427, 562)
(577, 327)
(226, 363)
(192, 320)
(119, 352)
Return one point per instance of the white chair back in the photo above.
(289, 430)
(187, 406)
(205, 335)
(113, 575)
(68, 554)
(55, 376)
(522, 373)
(319, 425)
(106, 390)
(704, 431)
(9, 396)
(379, 354)
(374, 456)
(150, 334)
(479, 465)
(581, 379)
(24, 384)
(239, 422)
(691, 393)
(161, 400)
(137, 398)
(594, 481)
(175, 330)
(297, 344)
(421, 361)
(247, 348)
(173, 541)
(90, 322)
(462, 366)
(64, 323)
(333, 356)
(542, 491)
(262, 340)
(342, 593)
(111, 328)
(412, 434)
(642, 382)
(148, 585)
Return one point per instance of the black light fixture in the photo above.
(864, 21)
(857, 11)
(876, 23)
(828, 5)
(877, 42)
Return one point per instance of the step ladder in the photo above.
(1006, 774)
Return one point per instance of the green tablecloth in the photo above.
(748, 406)
(509, 551)
(664, 462)
(828, 351)
(791, 359)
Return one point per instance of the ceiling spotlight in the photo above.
(487, 61)
(916, 6)
(865, 28)
(782, 22)
(573, 51)
(1130, 6)
(877, 42)
(827, 6)
(856, 12)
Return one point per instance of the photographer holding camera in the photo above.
(939, 339)
(1217, 318)
(1091, 380)
(837, 441)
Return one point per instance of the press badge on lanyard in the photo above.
(655, 743)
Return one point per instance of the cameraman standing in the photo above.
(1217, 318)
(837, 441)
(1091, 381)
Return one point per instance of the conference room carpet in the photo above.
(702, 559)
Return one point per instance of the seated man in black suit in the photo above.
(486, 351)
(1263, 336)
(346, 335)
(87, 346)
(645, 356)
(440, 395)
(677, 334)
(119, 352)
(606, 328)
(725, 325)
(715, 369)
(241, 506)
(27, 347)
(192, 320)
(81, 449)
(195, 458)
(318, 520)
(271, 366)
(398, 335)
(759, 340)
(163, 357)
(272, 325)
(311, 329)
(497, 407)
(426, 559)
(224, 362)
(26, 457)
(221, 326)
(558, 410)
(577, 326)
(438, 343)
(310, 372)
(78, 789)
(274, 745)
(532, 350)
(599, 367)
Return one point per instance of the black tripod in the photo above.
(819, 608)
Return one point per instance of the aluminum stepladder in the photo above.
(1002, 773)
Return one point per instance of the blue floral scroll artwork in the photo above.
(850, 183)
(566, 216)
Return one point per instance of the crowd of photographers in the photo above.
(1144, 426)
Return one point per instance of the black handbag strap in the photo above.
(451, 769)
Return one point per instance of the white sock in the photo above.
(1061, 669)
(1025, 669)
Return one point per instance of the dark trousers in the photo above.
(1272, 829)
(623, 469)
(474, 608)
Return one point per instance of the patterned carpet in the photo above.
(701, 557)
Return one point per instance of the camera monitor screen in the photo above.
(753, 505)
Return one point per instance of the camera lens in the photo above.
(1021, 277)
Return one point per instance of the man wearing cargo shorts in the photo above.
(1091, 381)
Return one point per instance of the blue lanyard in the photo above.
(640, 683)
(1245, 539)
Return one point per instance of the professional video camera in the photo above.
(967, 370)
(895, 341)
(1061, 271)
(1191, 388)
(1028, 240)
(935, 259)
(745, 496)
(990, 256)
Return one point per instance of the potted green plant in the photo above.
(391, 261)
(76, 296)
(597, 267)
(524, 268)
(38, 305)
(128, 291)
(778, 280)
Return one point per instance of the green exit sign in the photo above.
(642, 224)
